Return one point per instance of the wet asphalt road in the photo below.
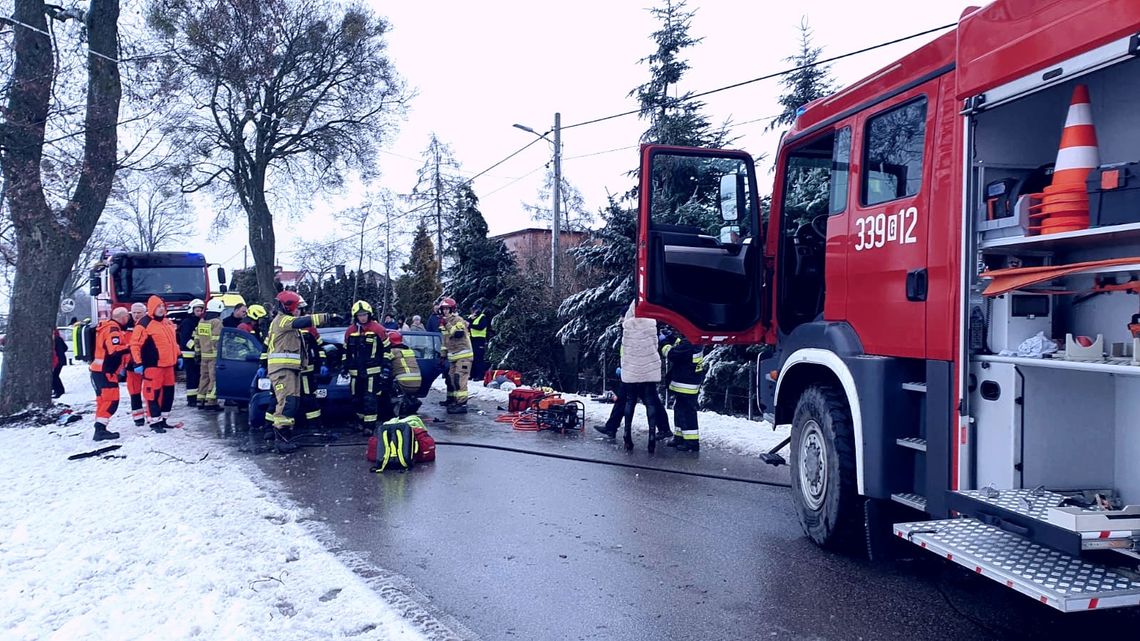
(515, 546)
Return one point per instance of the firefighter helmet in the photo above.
(197, 302)
(361, 306)
(302, 304)
(215, 305)
(256, 312)
(447, 302)
(395, 338)
(288, 301)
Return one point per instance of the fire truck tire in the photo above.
(824, 487)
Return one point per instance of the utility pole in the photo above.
(555, 227)
(245, 257)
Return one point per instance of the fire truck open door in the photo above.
(700, 266)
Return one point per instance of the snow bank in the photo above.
(730, 433)
(141, 545)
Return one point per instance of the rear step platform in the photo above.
(1064, 582)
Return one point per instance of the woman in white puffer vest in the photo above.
(640, 371)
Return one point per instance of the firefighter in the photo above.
(480, 323)
(207, 336)
(366, 344)
(134, 380)
(685, 366)
(457, 350)
(252, 322)
(315, 365)
(112, 347)
(285, 360)
(187, 329)
(155, 352)
(405, 373)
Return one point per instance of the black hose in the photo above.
(580, 459)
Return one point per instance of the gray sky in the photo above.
(479, 67)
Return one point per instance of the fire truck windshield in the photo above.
(136, 284)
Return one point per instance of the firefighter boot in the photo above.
(457, 408)
(254, 442)
(281, 441)
(103, 434)
(689, 446)
(676, 442)
(158, 427)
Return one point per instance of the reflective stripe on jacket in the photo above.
(479, 326)
(456, 340)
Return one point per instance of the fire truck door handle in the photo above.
(916, 285)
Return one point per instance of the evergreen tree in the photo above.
(525, 332)
(591, 316)
(809, 82)
(418, 288)
(437, 182)
(483, 266)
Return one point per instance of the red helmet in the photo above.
(447, 302)
(289, 301)
(395, 338)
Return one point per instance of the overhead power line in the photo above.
(771, 75)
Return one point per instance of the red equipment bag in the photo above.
(492, 374)
(425, 450)
(521, 398)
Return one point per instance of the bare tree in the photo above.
(292, 90)
(319, 261)
(151, 210)
(49, 239)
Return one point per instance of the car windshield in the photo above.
(137, 284)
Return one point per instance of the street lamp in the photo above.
(555, 227)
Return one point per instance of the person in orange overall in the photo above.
(135, 381)
(155, 352)
(112, 347)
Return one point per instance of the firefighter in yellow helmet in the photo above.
(457, 350)
(366, 346)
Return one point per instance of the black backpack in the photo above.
(396, 445)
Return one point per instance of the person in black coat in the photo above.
(59, 357)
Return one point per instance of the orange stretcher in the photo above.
(1016, 278)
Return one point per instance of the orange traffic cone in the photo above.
(1064, 205)
(1078, 154)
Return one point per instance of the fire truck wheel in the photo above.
(823, 469)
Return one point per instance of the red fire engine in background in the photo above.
(953, 336)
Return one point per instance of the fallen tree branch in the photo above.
(266, 580)
(102, 450)
(171, 457)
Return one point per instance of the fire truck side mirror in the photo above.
(731, 197)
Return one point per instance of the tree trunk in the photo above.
(262, 242)
(49, 243)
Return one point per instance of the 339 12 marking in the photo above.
(879, 230)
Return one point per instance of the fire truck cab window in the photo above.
(815, 186)
(704, 260)
(893, 151)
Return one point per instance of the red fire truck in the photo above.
(927, 394)
(122, 278)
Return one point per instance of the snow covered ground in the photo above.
(729, 433)
(170, 537)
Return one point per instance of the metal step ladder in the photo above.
(917, 445)
(1059, 580)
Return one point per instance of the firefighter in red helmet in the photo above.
(457, 350)
(286, 357)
